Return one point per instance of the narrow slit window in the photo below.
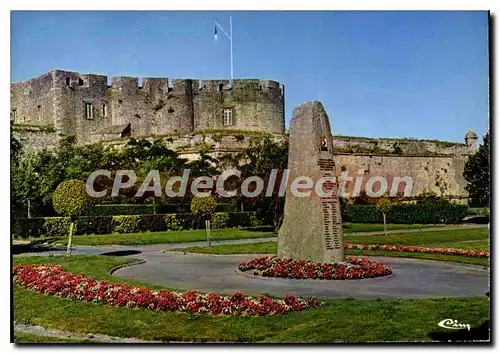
(68, 81)
(104, 110)
(89, 111)
(228, 117)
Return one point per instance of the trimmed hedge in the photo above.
(28, 227)
(126, 224)
(219, 220)
(59, 226)
(123, 209)
(418, 213)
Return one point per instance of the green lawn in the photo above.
(200, 235)
(346, 320)
(476, 239)
(373, 227)
(164, 237)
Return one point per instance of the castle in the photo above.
(216, 115)
(85, 106)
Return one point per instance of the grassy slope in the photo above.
(338, 320)
(200, 235)
(457, 238)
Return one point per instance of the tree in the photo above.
(477, 174)
(261, 157)
(203, 207)
(384, 205)
(15, 145)
(71, 199)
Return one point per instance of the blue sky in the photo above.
(378, 74)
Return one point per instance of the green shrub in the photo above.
(361, 214)
(126, 224)
(255, 221)
(56, 226)
(95, 225)
(240, 219)
(35, 227)
(153, 223)
(70, 198)
(203, 205)
(27, 227)
(123, 209)
(418, 213)
(484, 212)
(219, 220)
(171, 222)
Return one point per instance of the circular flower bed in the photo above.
(352, 268)
(53, 280)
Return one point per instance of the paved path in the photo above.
(412, 278)
(90, 337)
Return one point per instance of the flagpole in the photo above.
(231, 40)
(230, 37)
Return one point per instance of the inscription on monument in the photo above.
(331, 210)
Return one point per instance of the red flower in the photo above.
(53, 280)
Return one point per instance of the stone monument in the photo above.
(312, 225)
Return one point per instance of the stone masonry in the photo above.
(189, 115)
(85, 106)
(312, 226)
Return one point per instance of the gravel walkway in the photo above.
(97, 338)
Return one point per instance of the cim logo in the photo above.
(453, 325)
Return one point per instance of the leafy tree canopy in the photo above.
(477, 174)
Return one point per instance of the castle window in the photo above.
(104, 110)
(228, 116)
(68, 80)
(89, 111)
(80, 81)
(13, 115)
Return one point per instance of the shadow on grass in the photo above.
(32, 248)
(259, 229)
(121, 253)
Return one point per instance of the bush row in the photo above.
(59, 226)
(425, 213)
(123, 209)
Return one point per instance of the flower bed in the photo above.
(421, 249)
(54, 280)
(353, 268)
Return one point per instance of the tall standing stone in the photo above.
(312, 225)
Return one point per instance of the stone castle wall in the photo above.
(188, 114)
(156, 108)
(442, 174)
(432, 165)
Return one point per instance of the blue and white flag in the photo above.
(215, 33)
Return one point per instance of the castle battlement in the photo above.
(85, 105)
